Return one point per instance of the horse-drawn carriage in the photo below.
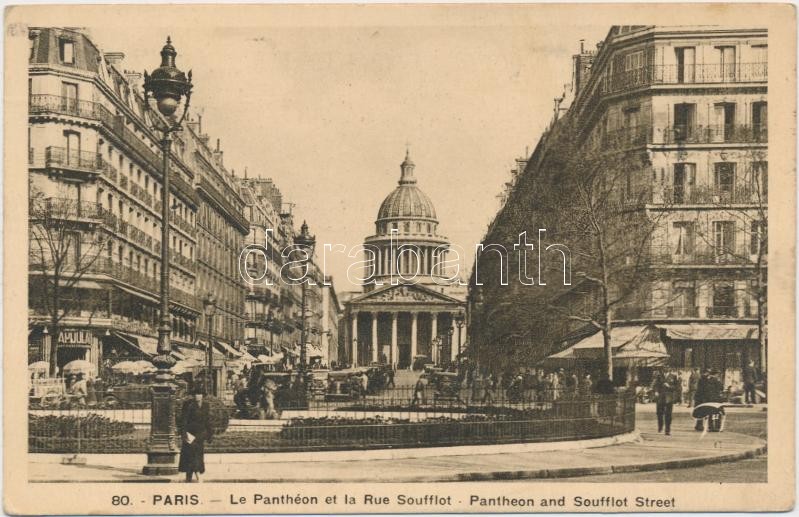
(344, 384)
(446, 386)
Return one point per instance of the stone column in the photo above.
(375, 356)
(433, 335)
(454, 344)
(354, 339)
(414, 316)
(394, 349)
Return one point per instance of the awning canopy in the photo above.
(135, 343)
(710, 331)
(227, 349)
(629, 345)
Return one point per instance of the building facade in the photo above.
(407, 304)
(683, 111)
(95, 188)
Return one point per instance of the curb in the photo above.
(557, 473)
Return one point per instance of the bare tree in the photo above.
(600, 201)
(65, 243)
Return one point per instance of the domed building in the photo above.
(407, 310)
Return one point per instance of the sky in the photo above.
(327, 112)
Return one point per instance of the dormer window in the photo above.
(67, 51)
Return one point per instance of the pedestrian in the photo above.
(364, 384)
(665, 389)
(749, 375)
(693, 386)
(197, 430)
(79, 390)
(489, 384)
(419, 390)
(390, 376)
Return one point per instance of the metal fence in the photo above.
(393, 418)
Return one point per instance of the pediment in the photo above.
(405, 293)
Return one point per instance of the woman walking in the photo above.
(197, 430)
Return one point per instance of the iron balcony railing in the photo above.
(715, 134)
(141, 194)
(686, 74)
(694, 195)
(41, 104)
(54, 208)
(664, 255)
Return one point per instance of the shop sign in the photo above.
(75, 337)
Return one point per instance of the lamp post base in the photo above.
(160, 464)
(162, 451)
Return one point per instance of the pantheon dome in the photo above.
(407, 218)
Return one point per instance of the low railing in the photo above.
(372, 423)
(141, 194)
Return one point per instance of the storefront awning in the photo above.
(135, 343)
(227, 349)
(710, 331)
(218, 356)
(192, 353)
(148, 344)
(629, 344)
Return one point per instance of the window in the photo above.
(760, 121)
(684, 117)
(723, 238)
(683, 181)
(727, 63)
(686, 61)
(684, 298)
(69, 97)
(758, 237)
(72, 145)
(724, 113)
(724, 181)
(760, 54)
(67, 51)
(760, 180)
(723, 299)
(683, 237)
(634, 60)
(632, 116)
(32, 37)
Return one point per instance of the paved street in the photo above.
(751, 470)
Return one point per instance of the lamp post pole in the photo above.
(167, 85)
(209, 305)
(459, 321)
(307, 241)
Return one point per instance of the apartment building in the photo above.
(95, 189)
(684, 111)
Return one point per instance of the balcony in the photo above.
(141, 194)
(699, 74)
(53, 209)
(717, 134)
(58, 105)
(663, 255)
(704, 196)
(721, 311)
(74, 161)
(129, 275)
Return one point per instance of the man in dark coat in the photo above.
(665, 388)
(709, 389)
(749, 377)
(197, 430)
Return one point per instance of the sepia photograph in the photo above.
(419, 258)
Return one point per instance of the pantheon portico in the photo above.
(407, 304)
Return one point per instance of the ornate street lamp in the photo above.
(449, 342)
(209, 309)
(306, 241)
(167, 85)
(459, 321)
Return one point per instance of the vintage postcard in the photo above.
(337, 259)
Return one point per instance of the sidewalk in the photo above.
(651, 451)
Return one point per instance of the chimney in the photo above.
(582, 46)
(134, 80)
(114, 58)
(218, 154)
(199, 124)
